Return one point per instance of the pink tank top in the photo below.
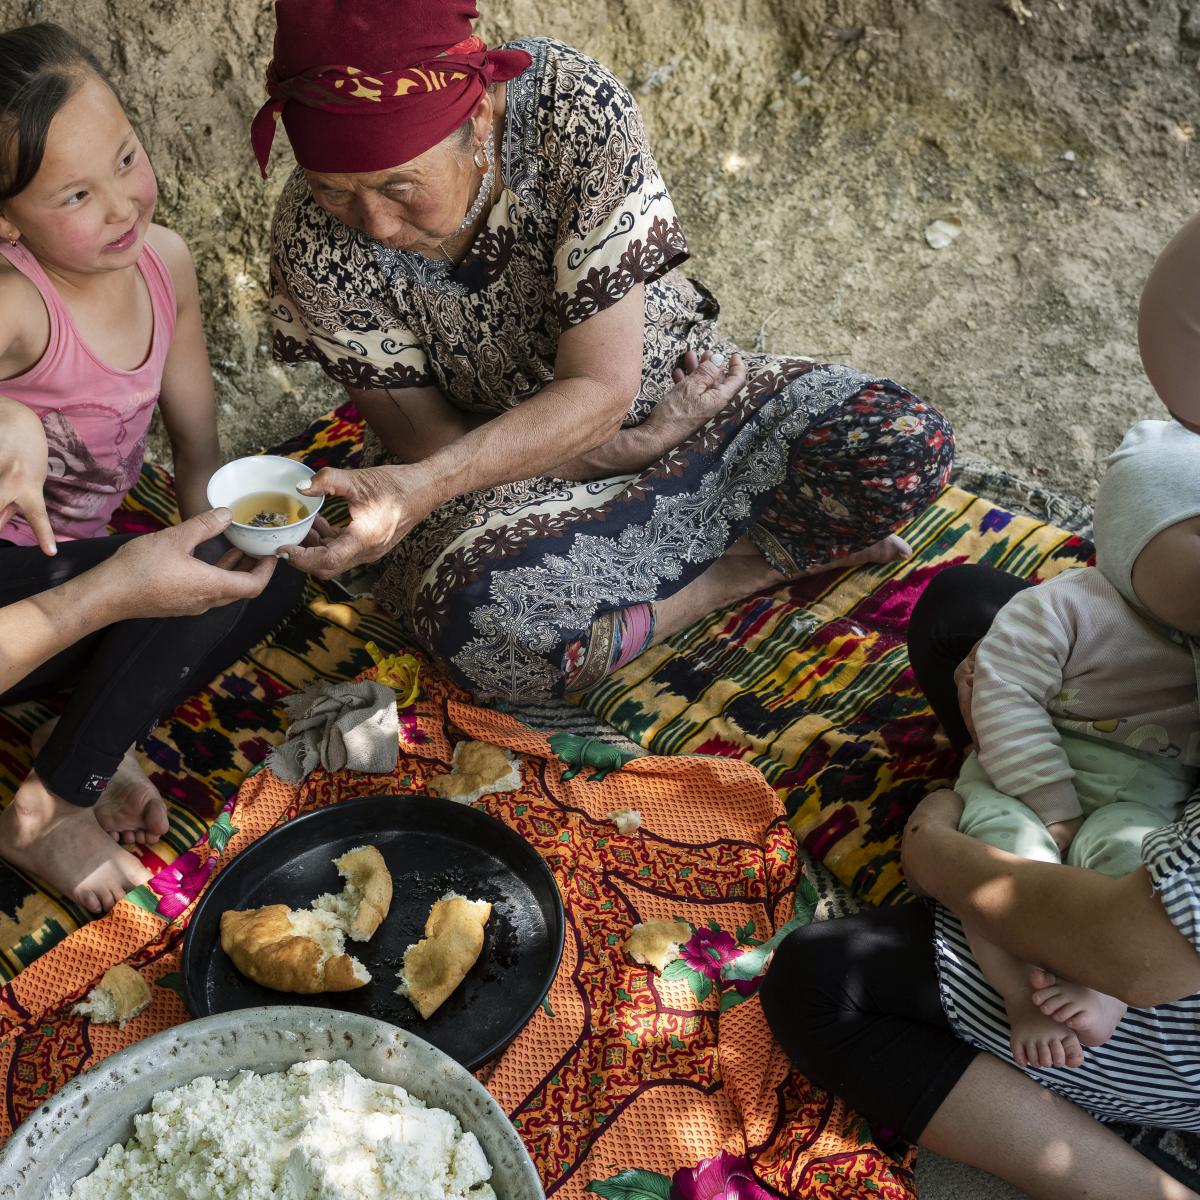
(95, 416)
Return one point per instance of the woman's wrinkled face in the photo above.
(415, 206)
(92, 200)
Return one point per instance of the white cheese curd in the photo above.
(318, 1131)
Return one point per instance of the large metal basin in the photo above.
(67, 1136)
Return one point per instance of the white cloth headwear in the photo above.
(1152, 482)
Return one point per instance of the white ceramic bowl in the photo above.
(263, 473)
(65, 1138)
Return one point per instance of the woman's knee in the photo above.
(921, 450)
(495, 658)
(803, 997)
(880, 458)
(959, 604)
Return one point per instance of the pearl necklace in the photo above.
(485, 190)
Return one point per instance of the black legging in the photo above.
(855, 1004)
(855, 1001)
(131, 674)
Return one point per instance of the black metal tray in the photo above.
(431, 846)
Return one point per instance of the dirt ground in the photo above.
(808, 144)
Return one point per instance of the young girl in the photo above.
(99, 322)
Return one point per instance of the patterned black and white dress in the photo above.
(543, 586)
(1148, 1072)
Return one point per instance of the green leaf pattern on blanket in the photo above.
(632, 1184)
(219, 833)
(753, 963)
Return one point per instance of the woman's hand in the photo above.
(703, 387)
(23, 463)
(935, 817)
(385, 503)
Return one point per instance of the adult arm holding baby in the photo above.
(1109, 934)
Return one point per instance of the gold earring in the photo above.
(475, 157)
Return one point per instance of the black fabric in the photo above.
(128, 676)
(854, 1002)
(952, 614)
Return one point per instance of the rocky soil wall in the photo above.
(808, 144)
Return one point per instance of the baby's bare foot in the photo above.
(63, 845)
(131, 809)
(1037, 1040)
(1090, 1014)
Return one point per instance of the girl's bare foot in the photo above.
(63, 845)
(1092, 1016)
(131, 809)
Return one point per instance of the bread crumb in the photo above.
(627, 820)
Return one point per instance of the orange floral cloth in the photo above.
(621, 1067)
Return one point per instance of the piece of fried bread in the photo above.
(439, 962)
(119, 996)
(656, 943)
(363, 903)
(291, 951)
(477, 769)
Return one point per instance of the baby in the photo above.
(1087, 723)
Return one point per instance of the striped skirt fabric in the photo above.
(1148, 1072)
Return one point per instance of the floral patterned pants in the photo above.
(545, 587)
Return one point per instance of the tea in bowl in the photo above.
(267, 510)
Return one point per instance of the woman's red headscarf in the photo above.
(363, 85)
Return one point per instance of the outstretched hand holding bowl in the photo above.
(385, 504)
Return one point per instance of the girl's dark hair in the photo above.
(40, 66)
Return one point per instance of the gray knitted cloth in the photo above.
(341, 727)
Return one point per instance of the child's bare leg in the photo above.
(130, 809)
(1036, 1039)
(64, 845)
(1091, 1014)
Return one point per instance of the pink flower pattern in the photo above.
(725, 1177)
(180, 882)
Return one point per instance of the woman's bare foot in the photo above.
(62, 844)
(131, 809)
(1039, 1041)
(741, 571)
(892, 549)
(1092, 1016)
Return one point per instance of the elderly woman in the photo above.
(572, 461)
(890, 1009)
